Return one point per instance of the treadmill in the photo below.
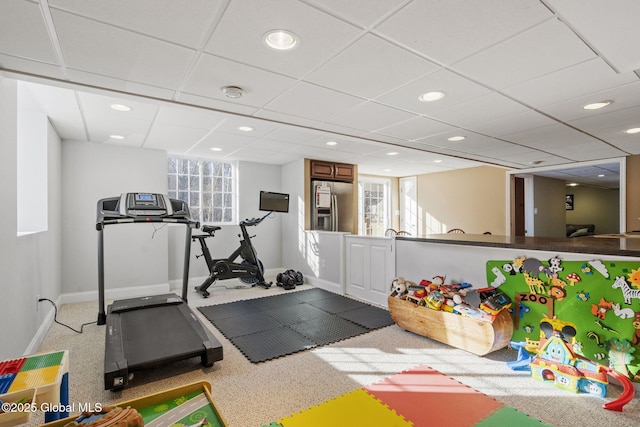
(147, 332)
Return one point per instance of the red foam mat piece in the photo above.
(425, 396)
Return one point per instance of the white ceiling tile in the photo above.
(456, 88)
(192, 117)
(173, 138)
(415, 128)
(611, 28)
(23, 33)
(479, 110)
(92, 80)
(587, 152)
(623, 97)
(514, 123)
(100, 106)
(361, 12)
(579, 80)
(212, 73)
(546, 48)
(122, 54)
(313, 102)
(611, 124)
(371, 115)
(449, 30)
(181, 22)
(215, 104)
(371, 67)
(320, 35)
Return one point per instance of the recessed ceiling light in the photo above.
(280, 39)
(456, 138)
(597, 105)
(386, 170)
(215, 149)
(233, 92)
(431, 96)
(116, 136)
(245, 128)
(601, 175)
(633, 130)
(573, 184)
(120, 107)
(535, 162)
(331, 143)
(437, 161)
(392, 153)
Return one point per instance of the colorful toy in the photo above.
(626, 290)
(557, 362)
(399, 286)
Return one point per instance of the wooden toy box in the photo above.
(466, 333)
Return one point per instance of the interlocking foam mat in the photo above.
(418, 397)
(275, 326)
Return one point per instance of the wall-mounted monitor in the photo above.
(274, 202)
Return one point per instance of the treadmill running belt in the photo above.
(158, 334)
(270, 327)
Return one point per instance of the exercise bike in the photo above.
(250, 270)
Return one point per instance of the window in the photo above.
(208, 187)
(374, 204)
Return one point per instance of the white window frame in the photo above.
(387, 200)
(217, 196)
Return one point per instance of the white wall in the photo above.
(29, 264)
(134, 255)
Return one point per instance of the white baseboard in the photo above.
(336, 288)
(117, 293)
(37, 339)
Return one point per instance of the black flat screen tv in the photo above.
(274, 202)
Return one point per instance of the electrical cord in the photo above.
(55, 317)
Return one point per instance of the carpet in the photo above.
(270, 327)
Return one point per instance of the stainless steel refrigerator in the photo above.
(332, 206)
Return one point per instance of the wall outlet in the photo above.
(323, 263)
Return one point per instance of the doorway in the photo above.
(409, 205)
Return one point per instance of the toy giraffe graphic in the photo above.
(536, 286)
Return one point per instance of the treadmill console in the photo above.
(141, 207)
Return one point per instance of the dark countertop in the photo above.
(613, 244)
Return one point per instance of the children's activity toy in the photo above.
(188, 405)
(41, 380)
(580, 321)
(442, 312)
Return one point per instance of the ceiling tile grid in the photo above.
(515, 74)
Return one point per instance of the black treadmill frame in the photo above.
(117, 367)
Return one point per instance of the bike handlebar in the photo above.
(254, 221)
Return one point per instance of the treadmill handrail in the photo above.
(127, 219)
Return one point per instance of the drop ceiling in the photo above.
(516, 74)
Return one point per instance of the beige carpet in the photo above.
(252, 395)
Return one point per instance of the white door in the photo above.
(409, 205)
(370, 268)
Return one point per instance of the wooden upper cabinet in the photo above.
(332, 171)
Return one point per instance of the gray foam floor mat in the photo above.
(270, 327)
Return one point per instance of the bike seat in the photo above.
(210, 228)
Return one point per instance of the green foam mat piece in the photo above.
(507, 416)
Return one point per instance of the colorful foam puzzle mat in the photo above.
(409, 399)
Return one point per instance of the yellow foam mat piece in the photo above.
(357, 408)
